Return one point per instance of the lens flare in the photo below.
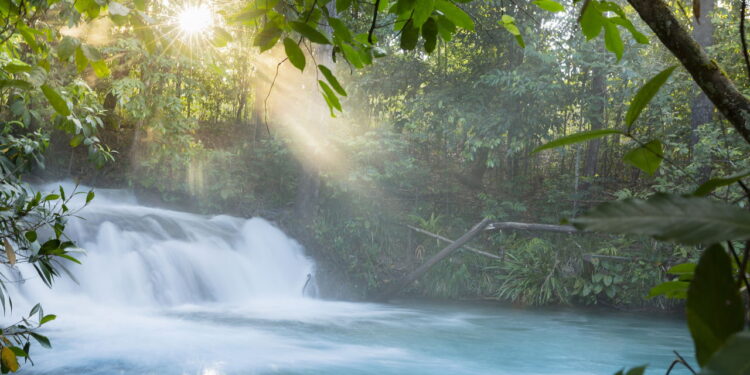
(194, 20)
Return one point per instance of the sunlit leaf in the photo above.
(455, 14)
(221, 37)
(647, 157)
(294, 53)
(422, 11)
(57, 101)
(613, 40)
(309, 32)
(670, 289)
(267, 37)
(577, 138)
(645, 94)
(549, 5)
(332, 80)
(100, 68)
(9, 359)
(116, 9)
(592, 20)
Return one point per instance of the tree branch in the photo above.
(705, 71)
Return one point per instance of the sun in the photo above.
(195, 19)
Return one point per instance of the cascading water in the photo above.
(164, 292)
(144, 256)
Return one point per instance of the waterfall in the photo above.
(152, 257)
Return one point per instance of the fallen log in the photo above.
(448, 240)
(411, 277)
(532, 227)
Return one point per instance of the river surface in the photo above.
(165, 292)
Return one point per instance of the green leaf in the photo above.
(405, 6)
(30, 236)
(715, 183)
(624, 22)
(57, 102)
(509, 23)
(352, 56)
(549, 5)
(267, 37)
(47, 318)
(455, 14)
(576, 138)
(100, 68)
(90, 52)
(689, 220)
(613, 40)
(342, 5)
(340, 30)
(592, 20)
(67, 48)
(89, 196)
(640, 370)
(42, 340)
(429, 33)
(330, 97)
(409, 36)
(670, 289)
(309, 32)
(332, 80)
(647, 157)
(422, 11)
(732, 358)
(81, 61)
(117, 9)
(17, 83)
(446, 28)
(645, 94)
(294, 53)
(221, 37)
(714, 307)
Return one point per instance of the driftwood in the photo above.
(411, 277)
(532, 227)
(448, 240)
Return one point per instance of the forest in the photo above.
(545, 155)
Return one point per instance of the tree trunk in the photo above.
(705, 71)
(414, 275)
(597, 107)
(702, 108)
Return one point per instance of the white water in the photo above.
(165, 292)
